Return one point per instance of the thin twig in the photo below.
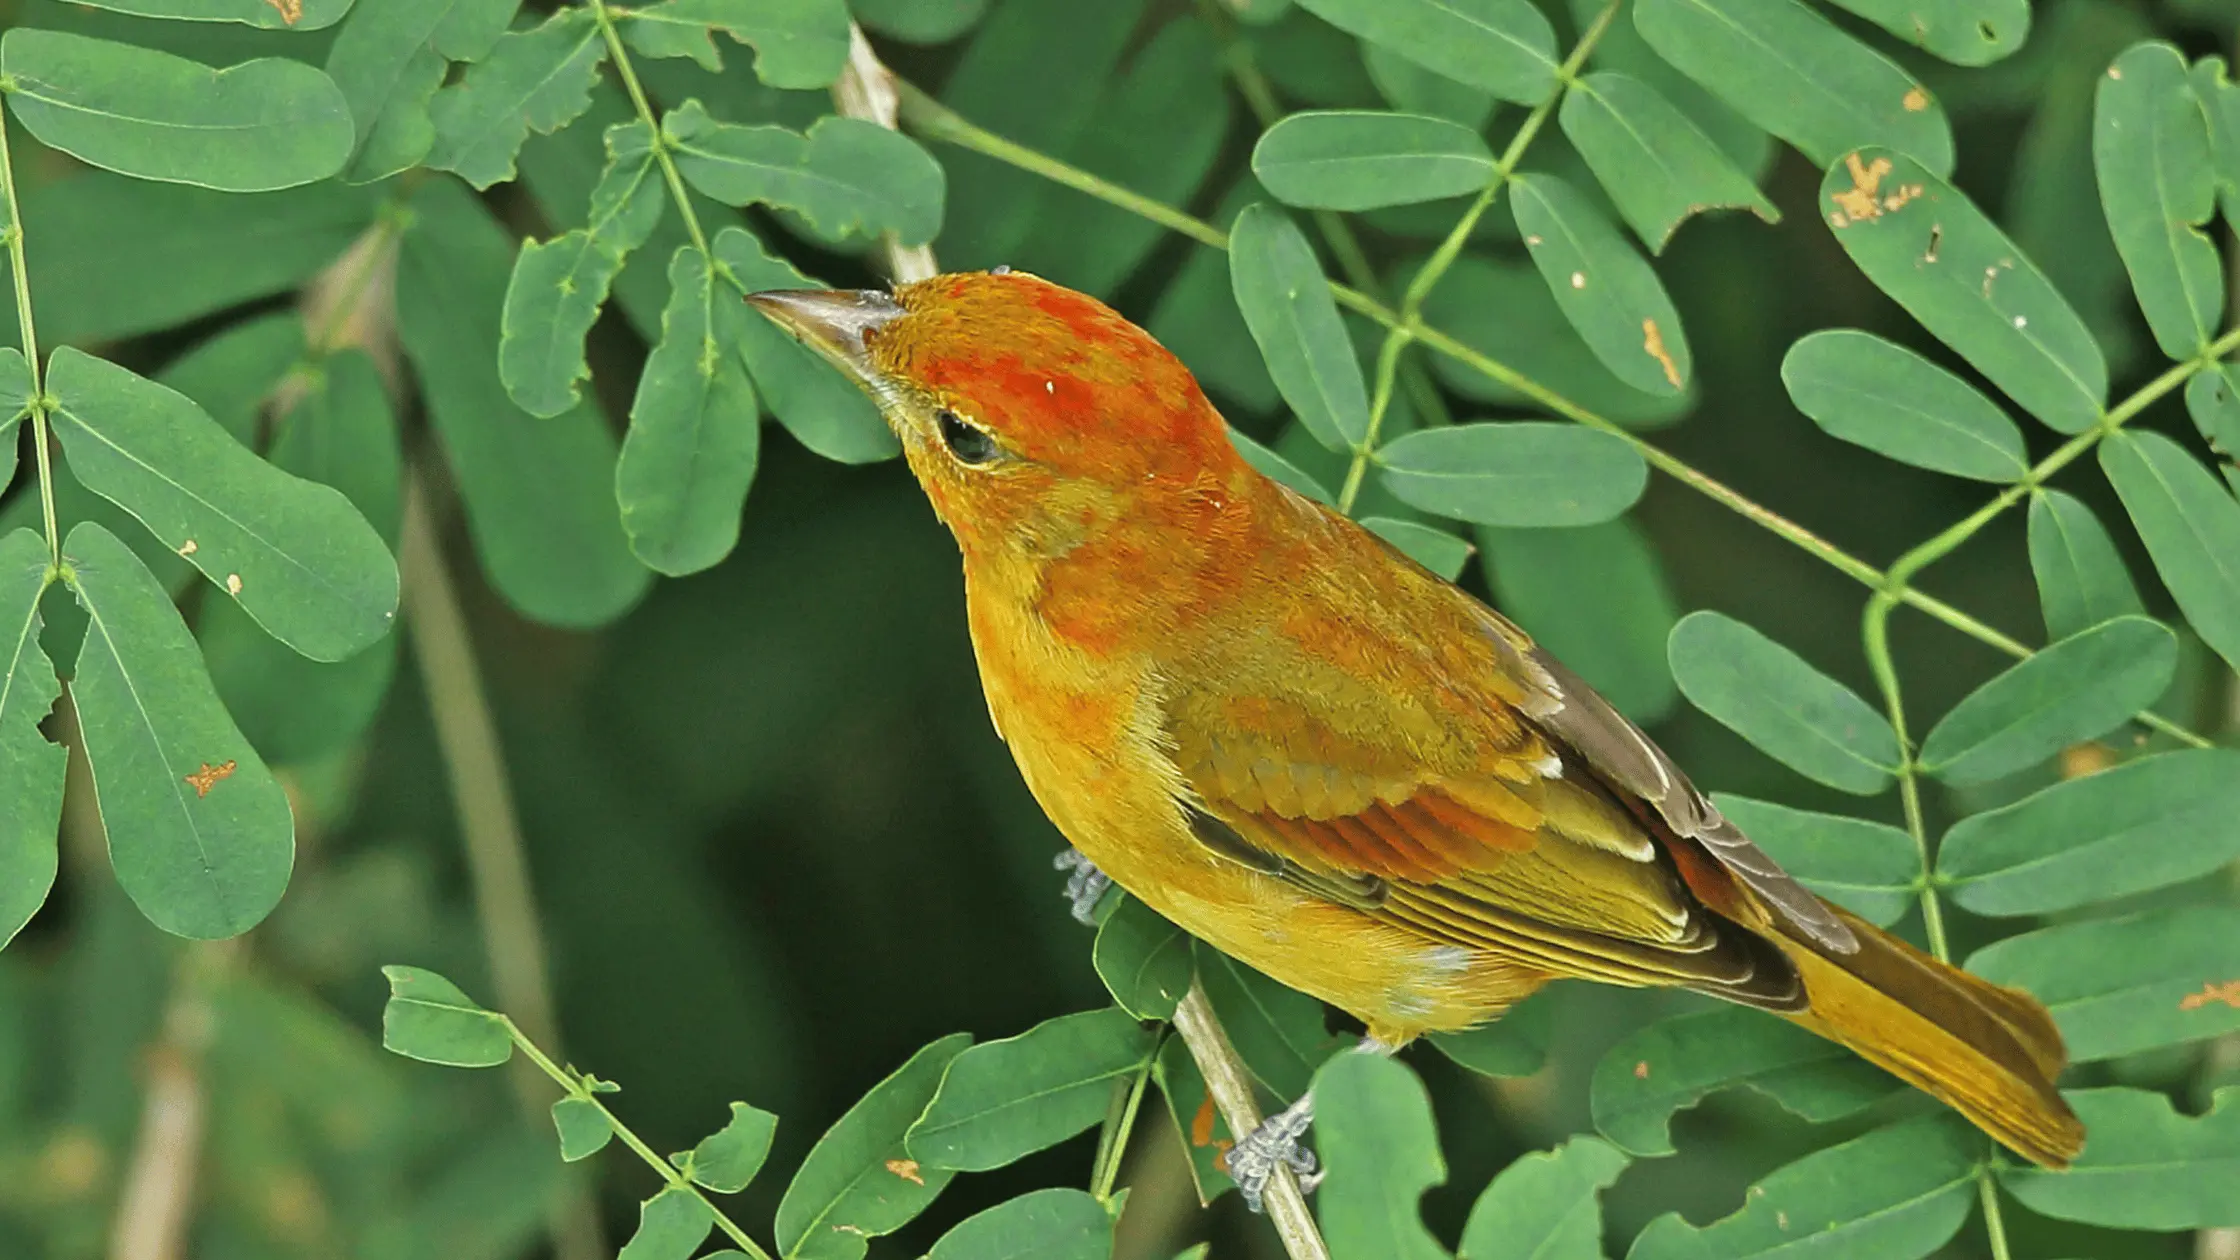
(155, 1210)
(1231, 1088)
(866, 90)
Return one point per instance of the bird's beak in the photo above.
(833, 322)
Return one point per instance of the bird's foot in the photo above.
(1255, 1158)
(1084, 886)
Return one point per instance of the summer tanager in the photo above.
(1302, 747)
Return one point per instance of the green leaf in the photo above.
(1435, 549)
(1198, 1124)
(295, 555)
(1143, 960)
(2213, 400)
(15, 404)
(1678, 1062)
(1362, 159)
(2081, 580)
(429, 1019)
(2144, 1167)
(583, 1126)
(858, 1182)
(1197, 318)
(1873, 393)
(232, 374)
(2191, 526)
(1277, 468)
(301, 15)
(1503, 46)
(1656, 164)
(292, 709)
(1896, 1194)
(31, 769)
(1002, 1100)
(2150, 146)
(1868, 868)
(536, 79)
(797, 43)
(1607, 291)
(1545, 1205)
(671, 1226)
(844, 176)
(2145, 824)
(2122, 986)
(1525, 473)
(1279, 286)
(1770, 696)
(539, 496)
(1513, 1043)
(199, 831)
(1612, 630)
(1278, 1031)
(264, 124)
(694, 431)
(390, 58)
(1963, 32)
(1793, 73)
(1508, 311)
(823, 410)
(726, 1160)
(2078, 689)
(559, 285)
(1057, 1224)
(1930, 248)
(920, 21)
(1415, 89)
(1381, 1151)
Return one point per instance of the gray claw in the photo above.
(1254, 1159)
(1085, 886)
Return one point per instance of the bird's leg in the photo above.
(1253, 1160)
(1085, 886)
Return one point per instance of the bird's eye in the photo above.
(968, 442)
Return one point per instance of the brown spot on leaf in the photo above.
(1641, 1070)
(1915, 101)
(2227, 993)
(2080, 760)
(1860, 200)
(290, 11)
(1578, 279)
(1897, 200)
(233, 584)
(1936, 241)
(1781, 1219)
(1653, 342)
(209, 776)
(907, 1169)
(189, 547)
(1201, 1124)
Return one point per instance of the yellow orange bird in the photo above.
(1305, 749)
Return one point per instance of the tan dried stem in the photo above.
(866, 90)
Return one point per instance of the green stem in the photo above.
(578, 1088)
(39, 401)
(1994, 1216)
(1112, 1143)
(1876, 633)
(629, 74)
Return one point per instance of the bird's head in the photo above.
(1035, 417)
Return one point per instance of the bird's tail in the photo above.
(1990, 1052)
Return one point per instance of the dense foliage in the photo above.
(1760, 308)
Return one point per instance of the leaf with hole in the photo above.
(1772, 697)
(2145, 824)
(297, 556)
(1607, 291)
(1002, 1100)
(1677, 1063)
(1963, 32)
(1658, 166)
(1868, 868)
(1795, 74)
(390, 58)
(858, 1182)
(1879, 395)
(797, 43)
(2128, 985)
(844, 176)
(2150, 147)
(583, 1127)
(2081, 579)
(1279, 286)
(1380, 1152)
(1362, 159)
(694, 431)
(2075, 690)
(428, 1018)
(1546, 1205)
(533, 80)
(1435, 549)
(264, 124)
(2191, 526)
(1143, 960)
(1951, 267)
(1610, 631)
(1503, 46)
(726, 1160)
(1521, 473)
(1055, 1224)
(2213, 400)
(31, 769)
(2146, 1167)
(671, 1226)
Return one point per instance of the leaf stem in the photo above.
(579, 1088)
(40, 403)
(1112, 1143)
(629, 75)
